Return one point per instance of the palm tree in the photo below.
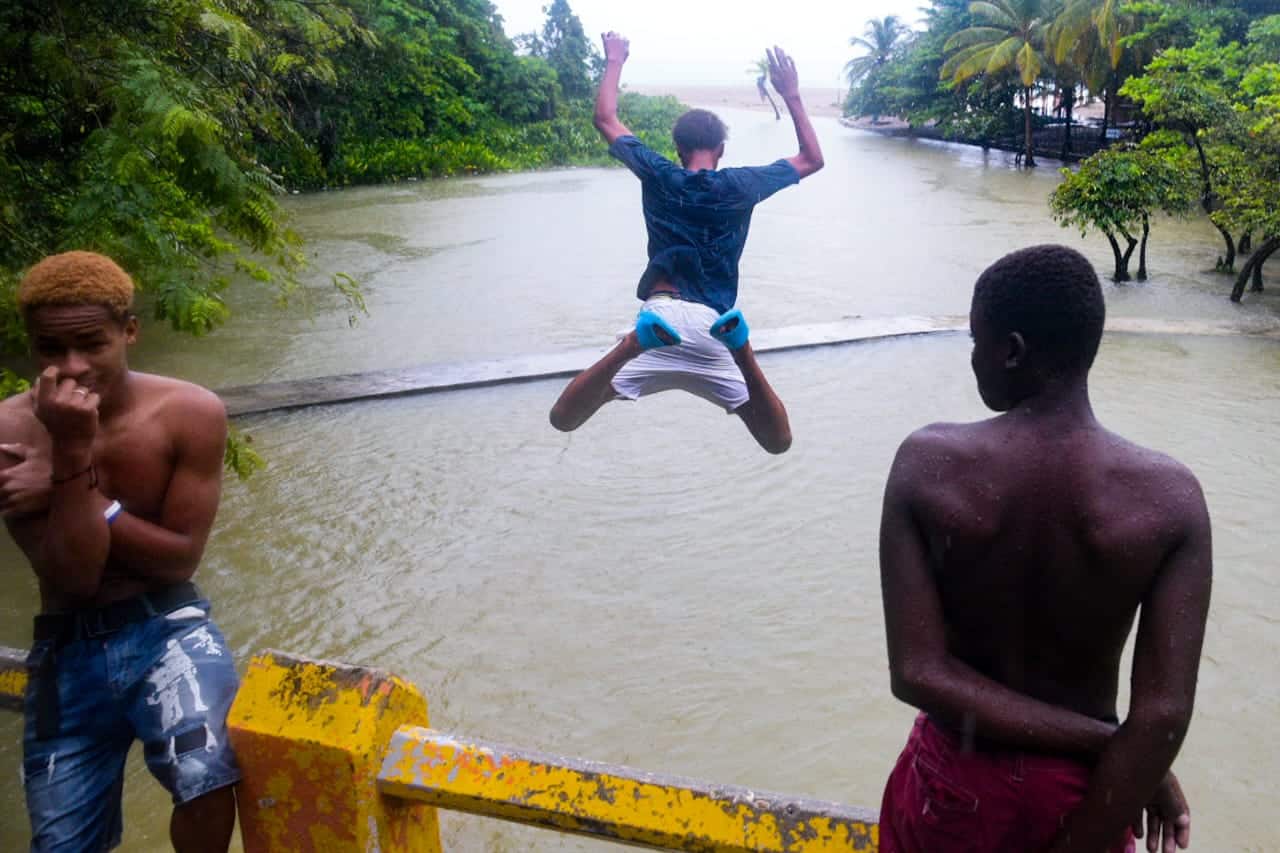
(881, 38)
(760, 70)
(1087, 34)
(1015, 37)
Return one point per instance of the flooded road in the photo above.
(653, 589)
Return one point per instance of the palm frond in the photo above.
(995, 12)
(1029, 64)
(969, 62)
(975, 35)
(1005, 54)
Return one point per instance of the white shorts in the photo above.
(699, 364)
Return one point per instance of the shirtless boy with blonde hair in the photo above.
(109, 482)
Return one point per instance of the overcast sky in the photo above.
(714, 41)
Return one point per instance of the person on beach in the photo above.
(688, 335)
(109, 482)
(1014, 555)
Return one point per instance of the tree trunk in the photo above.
(1208, 204)
(1106, 114)
(1068, 101)
(1245, 244)
(1255, 262)
(1122, 258)
(1128, 252)
(1228, 265)
(1029, 161)
(765, 96)
(1142, 253)
(1257, 279)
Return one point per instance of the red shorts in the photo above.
(941, 798)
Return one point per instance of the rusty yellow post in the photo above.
(615, 802)
(310, 737)
(13, 678)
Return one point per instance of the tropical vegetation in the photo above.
(1194, 84)
(164, 132)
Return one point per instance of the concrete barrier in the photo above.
(432, 378)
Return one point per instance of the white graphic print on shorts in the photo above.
(166, 680)
(203, 641)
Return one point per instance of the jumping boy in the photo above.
(688, 335)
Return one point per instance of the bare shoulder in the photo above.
(1158, 477)
(939, 445)
(179, 396)
(188, 411)
(933, 454)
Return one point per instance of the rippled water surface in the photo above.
(653, 589)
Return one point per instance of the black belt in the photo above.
(70, 626)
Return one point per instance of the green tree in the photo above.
(1116, 191)
(132, 127)
(880, 39)
(760, 70)
(1252, 193)
(1090, 37)
(1190, 91)
(566, 48)
(1012, 36)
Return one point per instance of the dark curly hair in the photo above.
(699, 130)
(1051, 296)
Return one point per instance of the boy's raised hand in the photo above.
(782, 72)
(616, 47)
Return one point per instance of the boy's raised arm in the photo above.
(616, 49)
(782, 71)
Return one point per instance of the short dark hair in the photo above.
(699, 130)
(1051, 296)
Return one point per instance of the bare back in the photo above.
(1042, 546)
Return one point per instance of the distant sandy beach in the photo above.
(818, 101)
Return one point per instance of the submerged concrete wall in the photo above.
(273, 396)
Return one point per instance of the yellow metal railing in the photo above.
(340, 758)
(13, 678)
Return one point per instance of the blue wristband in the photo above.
(112, 511)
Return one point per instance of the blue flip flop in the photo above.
(732, 334)
(648, 324)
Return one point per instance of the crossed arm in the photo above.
(61, 527)
(1132, 760)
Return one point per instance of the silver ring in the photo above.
(84, 391)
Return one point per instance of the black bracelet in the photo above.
(91, 471)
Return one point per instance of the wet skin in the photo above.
(1015, 553)
(155, 443)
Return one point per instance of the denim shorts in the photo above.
(169, 681)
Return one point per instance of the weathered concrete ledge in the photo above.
(614, 802)
(273, 396)
(13, 678)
